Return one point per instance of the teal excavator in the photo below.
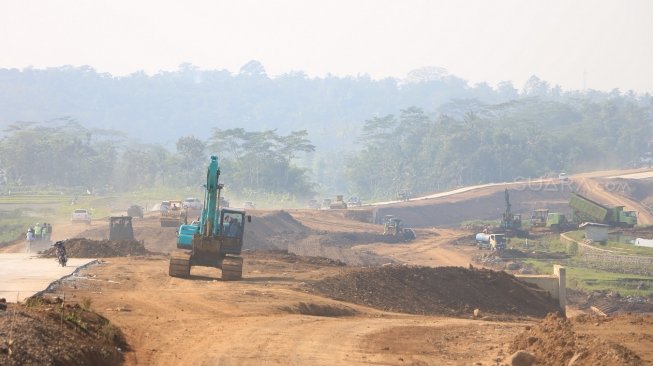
(215, 239)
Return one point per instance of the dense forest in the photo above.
(298, 136)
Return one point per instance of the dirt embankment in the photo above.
(45, 332)
(483, 204)
(554, 342)
(450, 291)
(87, 248)
(314, 234)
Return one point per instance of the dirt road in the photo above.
(263, 318)
(170, 321)
(432, 248)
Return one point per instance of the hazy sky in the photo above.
(611, 42)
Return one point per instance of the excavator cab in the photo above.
(232, 223)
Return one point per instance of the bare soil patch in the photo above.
(554, 342)
(609, 302)
(44, 332)
(451, 291)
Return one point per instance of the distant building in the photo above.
(595, 232)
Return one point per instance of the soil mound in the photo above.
(553, 342)
(450, 291)
(274, 230)
(87, 248)
(33, 334)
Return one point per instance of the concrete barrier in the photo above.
(555, 284)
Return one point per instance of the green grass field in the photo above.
(623, 248)
(588, 280)
(14, 224)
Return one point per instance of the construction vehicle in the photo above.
(554, 221)
(135, 211)
(510, 221)
(394, 229)
(339, 203)
(404, 195)
(491, 241)
(313, 204)
(81, 215)
(216, 239)
(120, 228)
(587, 210)
(174, 215)
(558, 222)
(354, 201)
(539, 217)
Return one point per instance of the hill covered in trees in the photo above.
(296, 135)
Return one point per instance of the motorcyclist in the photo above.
(60, 250)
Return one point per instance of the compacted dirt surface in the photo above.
(318, 288)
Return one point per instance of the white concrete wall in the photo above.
(644, 242)
(596, 233)
(555, 284)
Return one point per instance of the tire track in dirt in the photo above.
(431, 248)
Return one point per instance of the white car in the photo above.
(81, 215)
(193, 203)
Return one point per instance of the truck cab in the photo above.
(627, 218)
(491, 241)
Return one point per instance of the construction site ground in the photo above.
(322, 288)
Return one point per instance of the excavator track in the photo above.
(179, 265)
(232, 268)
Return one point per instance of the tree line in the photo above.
(66, 154)
(467, 142)
(294, 135)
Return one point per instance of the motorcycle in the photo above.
(60, 252)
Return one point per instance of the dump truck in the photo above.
(173, 215)
(554, 221)
(491, 241)
(120, 228)
(216, 239)
(559, 222)
(587, 210)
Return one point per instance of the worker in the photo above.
(234, 227)
(37, 231)
(30, 239)
(225, 225)
(44, 231)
